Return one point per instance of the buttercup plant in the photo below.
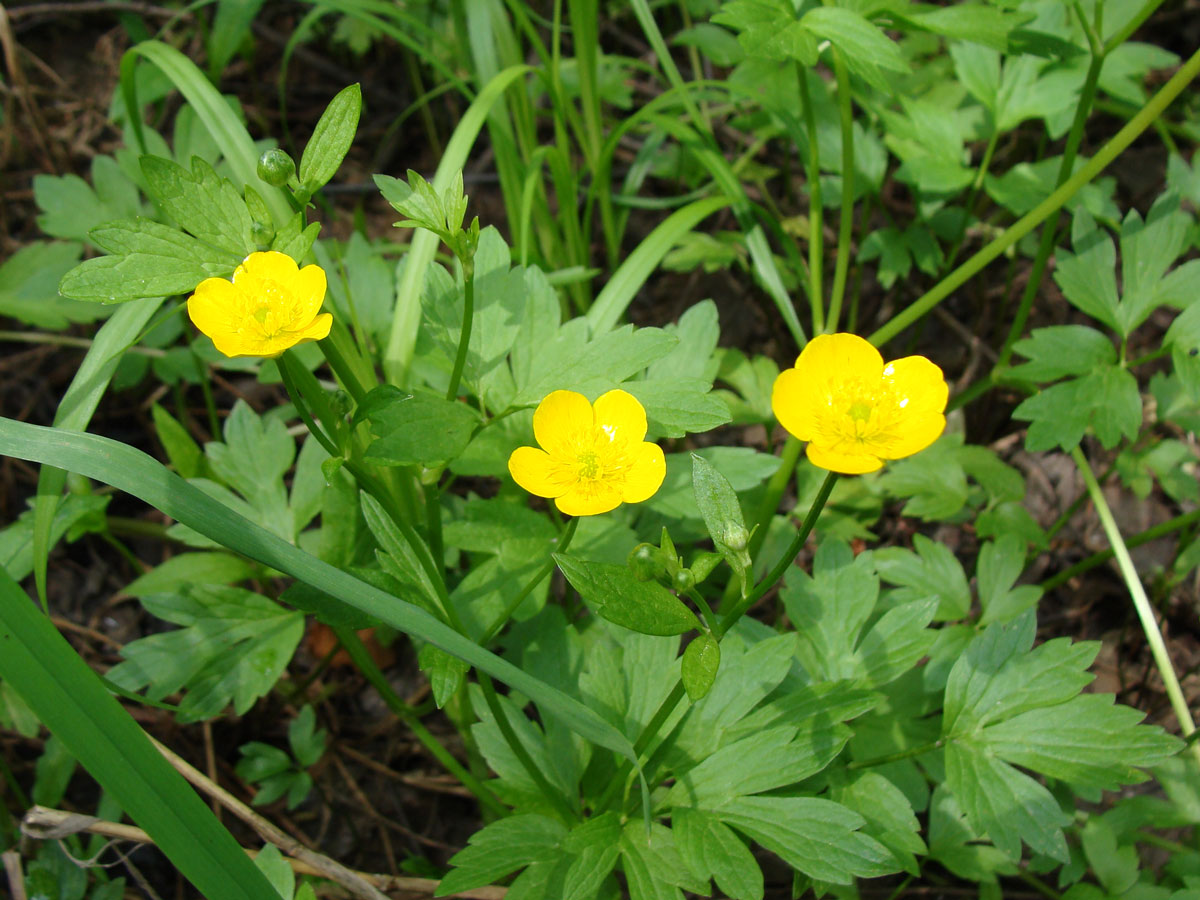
(658, 646)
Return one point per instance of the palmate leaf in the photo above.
(233, 647)
(1009, 705)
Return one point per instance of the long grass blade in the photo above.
(70, 700)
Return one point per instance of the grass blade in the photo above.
(69, 699)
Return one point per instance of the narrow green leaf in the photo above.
(331, 139)
(698, 670)
(618, 596)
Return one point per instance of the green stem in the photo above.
(660, 716)
(1132, 25)
(210, 405)
(433, 523)
(366, 665)
(352, 370)
(1050, 232)
(1141, 602)
(552, 796)
(464, 340)
(547, 568)
(846, 228)
(710, 620)
(816, 234)
(786, 560)
(1110, 151)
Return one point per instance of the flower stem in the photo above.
(785, 560)
(816, 233)
(366, 665)
(846, 228)
(464, 339)
(1144, 537)
(547, 568)
(897, 756)
(1141, 602)
(1110, 151)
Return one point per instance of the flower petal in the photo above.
(318, 330)
(621, 416)
(309, 288)
(838, 357)
(589, 498)
(845, 463)
(536, 472)
(646, 472)
(920, 393)
(563, 422)
(795, 404)
(213, 306)
(267, 264)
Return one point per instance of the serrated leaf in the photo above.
(1106, 400)
(889, 815)
(331, 139)
(1062, 350)
(653, 867)
(232, 648)
(149, 260)
(186, 569)
(500, 849)
(711, 850)
(1000, 565)
(678, 407)
(202, 203)
(445, 672)
(618, 596)
(29, 282)
(932, 571)
(865, 48)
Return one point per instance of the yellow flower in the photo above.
(854, 411)
(592, 458)
(270, 305)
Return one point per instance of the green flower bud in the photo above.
(262, 233)
(736, 537)
(683, 581)
(645, 562)
(276, 167)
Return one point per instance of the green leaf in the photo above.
(17, 539)
(595, 846)
(889, 815)
(417, 429)
(744, 468)
(1001, 563)
(445, 672)
(722, 515)
(710, 850)
(230, 28)
(29, 287)
(183, 452)
(973, 22)
(1107, 401)
(1062, 350)
(70, 699)
(957, 846)
(934, 479)
(618, 596)
(717, 44)
(202, 203)
(331, 139)
(1116, 867)
(933, 571)
(654, 869)
(500, 849)
(149, 260)
(71, 208)
(678, 407)
(233, 647)
(864, 47)
(187, 569)
(269, 860)
(698, 670)
(817, 837)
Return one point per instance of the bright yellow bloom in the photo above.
(270, 305)
(854, 411)
(593, 458)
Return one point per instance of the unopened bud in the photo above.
(276, 167)
(736, 537)
(683, 581)
(645, 563)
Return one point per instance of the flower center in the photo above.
(859, 411)
(588, 464)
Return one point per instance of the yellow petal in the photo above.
(536, 472)
(845, 463)
(621, 416)
(232, 345)
(796, 404)
(267, 264)
(213, 306)
(920, 393)
(318, 330)
(645, 474)
(589, 498)
(562, 423)
(309, 287)
(839, 357)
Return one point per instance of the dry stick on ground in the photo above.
(44, 824)
(329, 868)
(16, 878)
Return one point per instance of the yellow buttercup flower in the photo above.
(854, 411)
(592, 458)
(270, 305)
